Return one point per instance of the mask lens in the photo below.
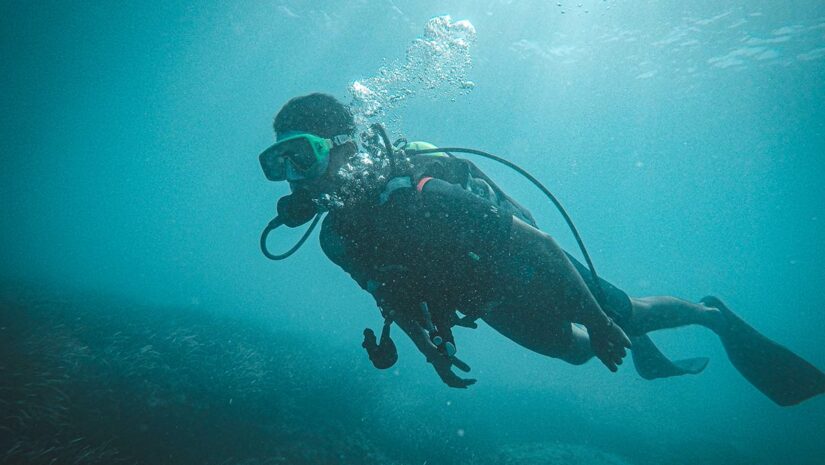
(274, 165)
(300, 152)
(295, 158)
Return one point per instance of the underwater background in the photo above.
(139, 322)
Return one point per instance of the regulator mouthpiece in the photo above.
(296, 209)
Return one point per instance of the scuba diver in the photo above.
(438, 244)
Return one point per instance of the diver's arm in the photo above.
(416, 333)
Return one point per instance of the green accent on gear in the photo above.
(421, 145)
(297, 156)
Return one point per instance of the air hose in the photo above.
(275, 224)
(387, 145)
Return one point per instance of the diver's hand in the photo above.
(443, 366)
(443, 361)
(609, 343)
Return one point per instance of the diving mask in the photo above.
(299, 155)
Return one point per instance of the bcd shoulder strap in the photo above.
(466, 174)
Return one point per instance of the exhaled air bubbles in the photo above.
(436, 64)
(360, 179)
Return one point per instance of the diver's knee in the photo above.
(577, 351)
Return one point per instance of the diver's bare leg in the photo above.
(662, 312)
(649, 314)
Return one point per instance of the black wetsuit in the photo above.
(437, 244)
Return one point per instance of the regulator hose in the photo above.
(386, 139)
(275, 224)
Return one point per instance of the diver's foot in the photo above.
(712, 316)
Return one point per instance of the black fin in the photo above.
(780, 374)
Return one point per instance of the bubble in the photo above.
(435, 64)
(361, 179)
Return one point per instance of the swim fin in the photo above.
(780, 374)
(651, 363)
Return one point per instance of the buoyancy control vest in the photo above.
(437, 242)
(457, 171)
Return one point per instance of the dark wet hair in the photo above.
(319, 114)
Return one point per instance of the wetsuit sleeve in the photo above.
(386, 283)
(463, 216)
(336, 249)
(503, 200)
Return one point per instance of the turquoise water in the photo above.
(686, 140)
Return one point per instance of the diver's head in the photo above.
(314, 140)
(319, 114)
